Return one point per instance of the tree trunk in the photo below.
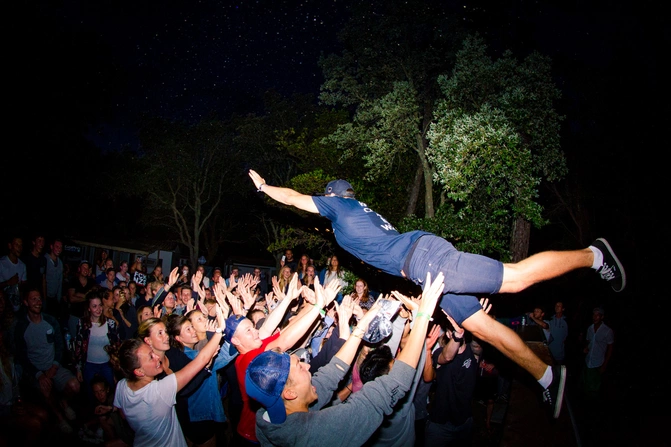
(413, 197)
(429, 211)
(519, 245)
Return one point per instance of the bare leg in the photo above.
(506, 341)
(543, 266)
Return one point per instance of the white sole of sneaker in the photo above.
(560, 390)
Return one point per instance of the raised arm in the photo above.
(286, 196)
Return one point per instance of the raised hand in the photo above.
(433, 336)
(172, 279)
(330, 291)
(190, 305)
(412, 304)
(486, 305)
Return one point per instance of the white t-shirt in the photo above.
(150, 412)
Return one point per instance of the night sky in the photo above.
(83, 72)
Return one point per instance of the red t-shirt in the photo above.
(247, 424)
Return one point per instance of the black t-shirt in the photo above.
(35, 270)
(455, 387)
(77, 309)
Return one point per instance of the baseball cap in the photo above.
(84, 261)
(339, 188)
(264, 381)
(232, 323)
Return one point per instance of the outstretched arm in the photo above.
(284, 195)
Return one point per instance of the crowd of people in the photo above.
(120, 356)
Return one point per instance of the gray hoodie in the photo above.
(350, 423)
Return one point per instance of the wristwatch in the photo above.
(457, 338)
(218, 330)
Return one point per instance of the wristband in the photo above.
(455, 338)
(260, 188)
(422, 314)
(322, 312)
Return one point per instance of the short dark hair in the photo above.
(376, 364)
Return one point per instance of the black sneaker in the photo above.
(611, 270)
(553, 396)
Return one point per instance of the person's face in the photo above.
(359, 287)
(334, 261)
(16, 246)
(109, 264)
(596, 317)
(559, 307)
(289, 254)
(169, 301)
(100, 392)
(216, 275)
(476, 347)
(538, 313)
(132, 288)
(57, 248)
(103, 255)
(158, 338)
(96, 308)
(124, 267)
(304, 260)
(310, 271)
(84, 270)
(235, 272)
(39, 244)
(185, 295)
(111, 275)
(187, 334)
(301, 380)
(117, 295)
(257, 272)
(286, 272)
(150, 363)
(199, 321)
(246, 336)
(158, 271)
(208, 294)
(146, 314)
(33, 301)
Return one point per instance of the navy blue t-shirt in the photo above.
(366, 234)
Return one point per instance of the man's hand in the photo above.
(256, 178)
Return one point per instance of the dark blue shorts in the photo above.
(466, 274)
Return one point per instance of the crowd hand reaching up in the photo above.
(219, 290)
(235, 303)
(410, 303)
(157, 311)
(458, 330)
(211, 325)
(245, 292)
(357, 311)
(308, 295)
(344, 311)
(432, 337)
(330, 291)
(279, 293)
(486, 305)
(202, 308)
(196, 279)
(368, 316)
(172, 279)
(293, 291)
(190, 305)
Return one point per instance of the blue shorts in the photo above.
(465, 274)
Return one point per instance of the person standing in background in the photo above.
(54, 279)
(13, 272)
(36, 264)
(558, 334)
(600, 339)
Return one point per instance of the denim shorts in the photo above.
(466, 274)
